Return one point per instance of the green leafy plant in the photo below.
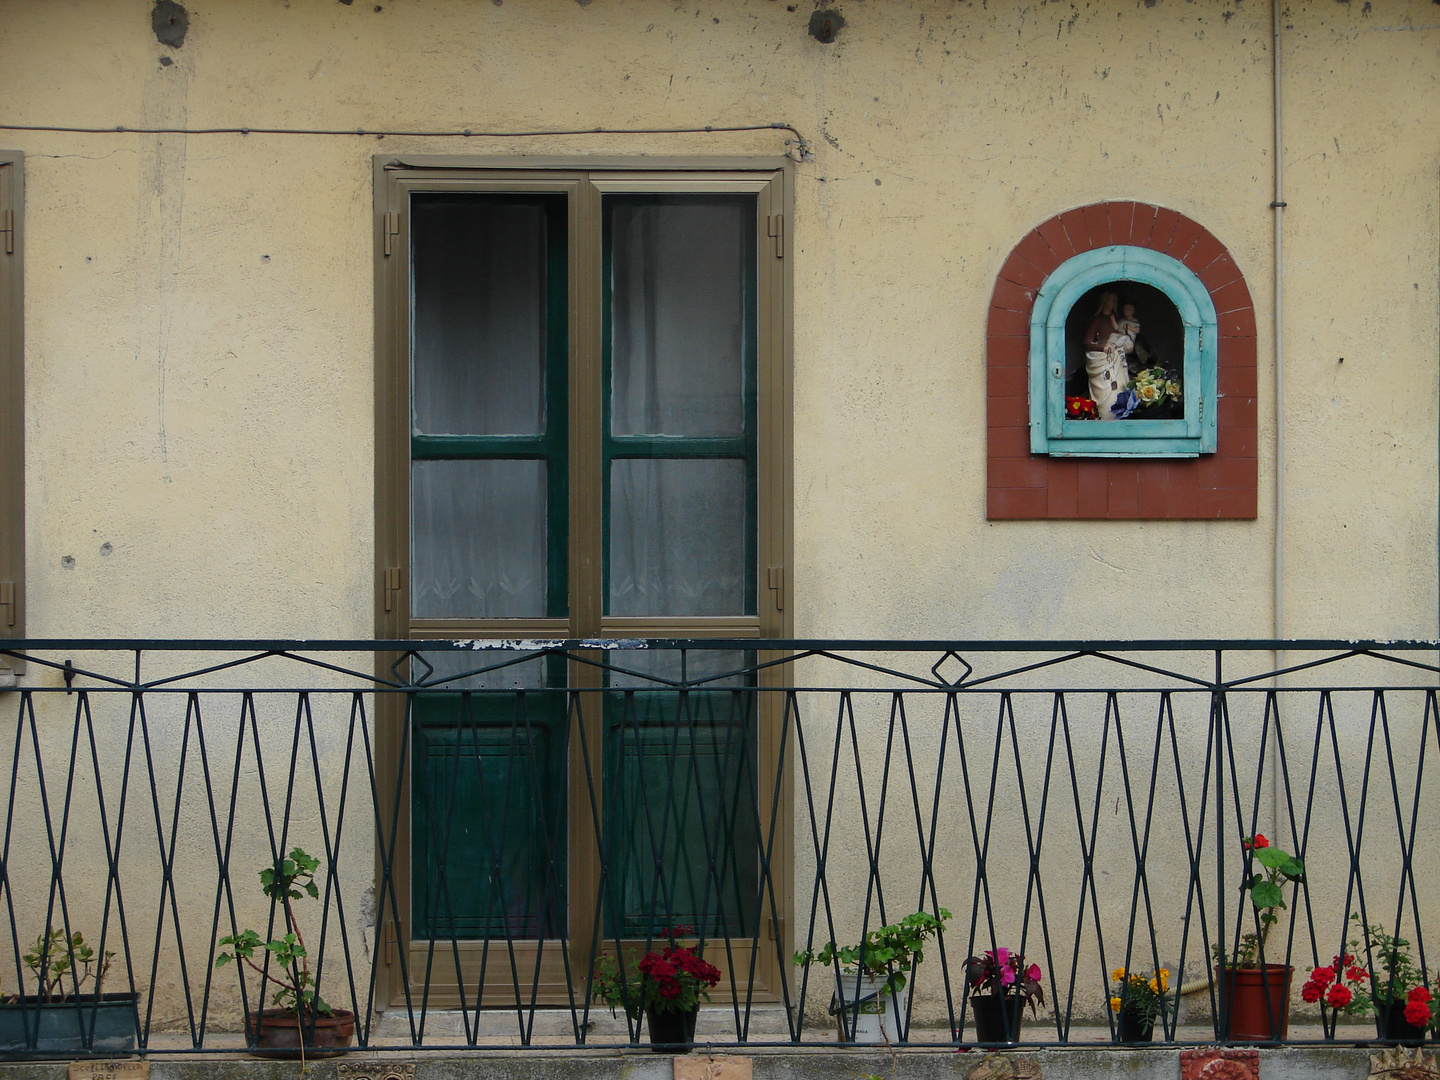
(1267, 896)
(890, 950)
(292, 878)
(53, 957)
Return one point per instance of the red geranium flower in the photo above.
(1311, 992)
(1323, 975)
(1417, 1014)
(1339, 995)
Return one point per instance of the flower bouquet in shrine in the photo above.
(1080, 408)
(666, 984)
(1376, 975)
(1158, 395)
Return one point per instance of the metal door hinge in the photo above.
(7, 603)
(776, 225)
(7, 226)
(775, 579)
(392, 229)
(392, 587)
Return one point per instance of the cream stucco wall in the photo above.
(198, 311)
(198, 315)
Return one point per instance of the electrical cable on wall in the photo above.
(801, 153)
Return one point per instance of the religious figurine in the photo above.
(1109, 341)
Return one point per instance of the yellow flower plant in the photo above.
(1141, 997)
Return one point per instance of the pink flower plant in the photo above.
(1004, 973)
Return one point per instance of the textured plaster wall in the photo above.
(199, 354)
(198, 309)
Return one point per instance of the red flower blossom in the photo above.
(1418, 993)
(1323, 975)
(1417, 1013)
(1311, 992)
(1339, 995)
(1357, 974)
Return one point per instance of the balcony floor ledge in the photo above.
(810, 1062)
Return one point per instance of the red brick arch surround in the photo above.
(1026, 486)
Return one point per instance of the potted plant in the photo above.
(1137, 1002)
(667, 985)
(1011, 985)
(871, 984)
(74, 1017)
(301, 1021)
(1254, 995)
(1376, 976)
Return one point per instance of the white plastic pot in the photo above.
(878, 1017)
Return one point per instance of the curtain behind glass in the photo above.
(477, 539)
(477, 315)
(677, 537)
(678, 280)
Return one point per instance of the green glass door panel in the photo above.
(489, 426)
(488, 840)
(682, 828)
(679, 449)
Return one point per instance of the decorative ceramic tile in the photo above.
(1397, 1063)
(708, 1067)
(1004, 1067)
(1217, 1064)
(374, 1070)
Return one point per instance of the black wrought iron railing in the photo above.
(486, 818)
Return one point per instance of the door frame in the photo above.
(583, 180)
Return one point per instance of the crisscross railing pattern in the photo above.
(489, 817)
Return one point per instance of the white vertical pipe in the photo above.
(1277, 207)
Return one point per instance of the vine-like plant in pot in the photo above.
(292, 878)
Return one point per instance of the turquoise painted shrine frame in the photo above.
(1050, 432)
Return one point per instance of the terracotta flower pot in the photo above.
(1254, 1003)
(277, 1033)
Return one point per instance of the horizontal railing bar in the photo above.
(989, 690)
(280, 646)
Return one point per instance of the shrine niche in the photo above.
(1126, 334)
(1124, 355)
(1199, 462)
